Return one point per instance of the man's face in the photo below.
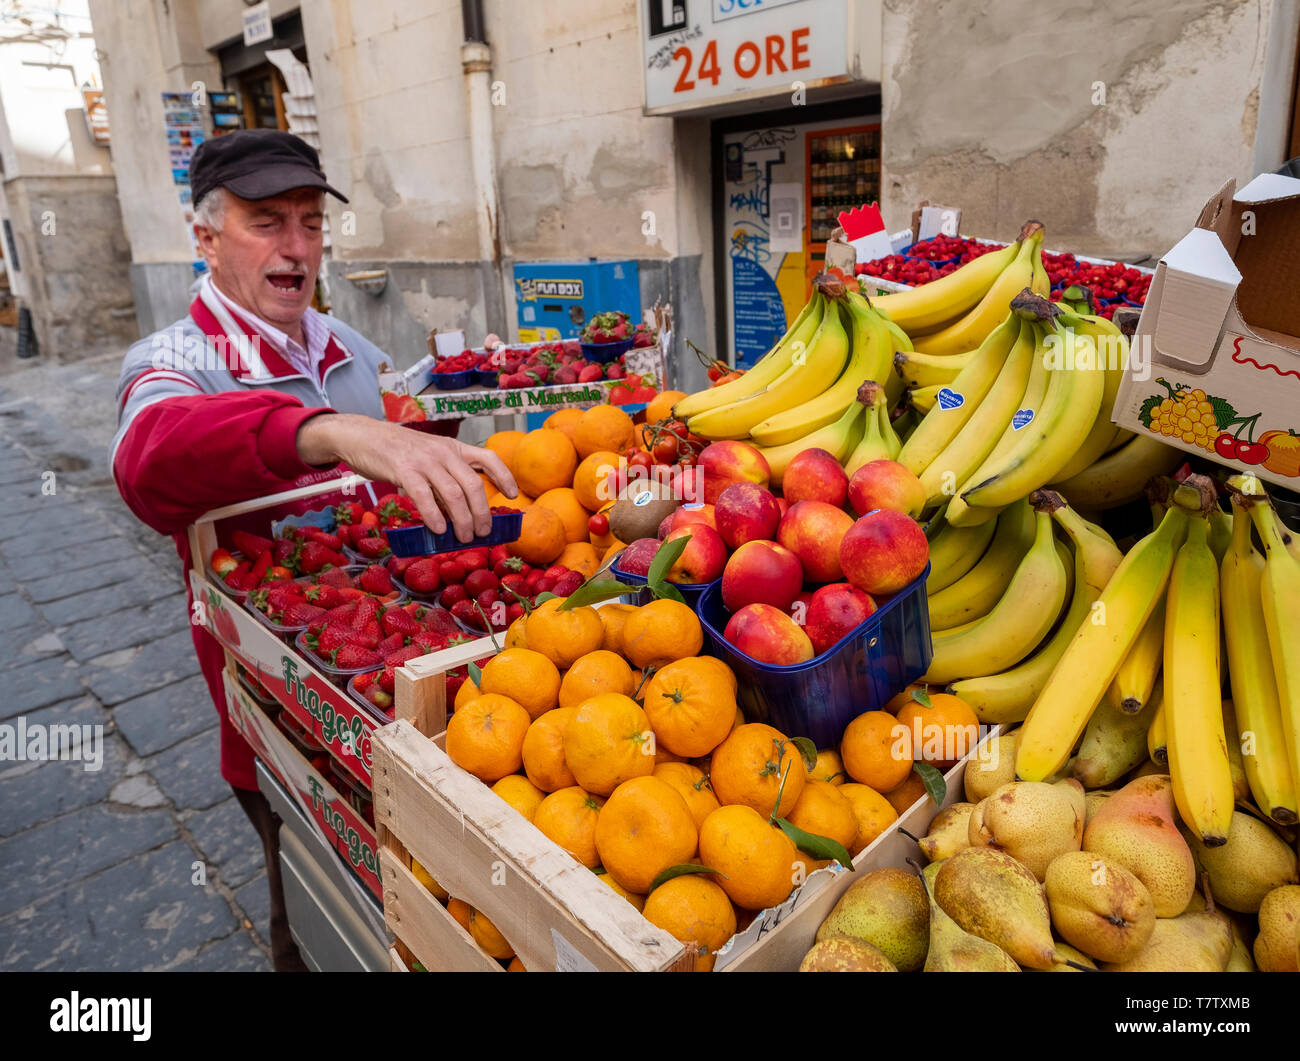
(267, 254)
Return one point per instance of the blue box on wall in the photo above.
(555, 299)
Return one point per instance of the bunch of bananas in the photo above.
(1142, 664)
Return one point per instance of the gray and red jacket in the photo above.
(208, 416)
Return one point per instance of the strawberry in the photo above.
(375, 579)
(331, 638)
(300, 613)
(374, 547)
(474, 559)
(401, 655)
(395, 510)
(315, 556)
(324, 596)
(422, 576)
(467, 614)
(513, 612)
(251, 545)
(348, 512)
(511, 565)
(390, 644)
(567, 584)
(402, 408)
(222, 562)
(354, 657)
(370, 634)
(454, 682)
(397, 565)
(387, 679)
(453, 594)
(330, 541)
(397, 621)
(591, 374)
(515, 584)
(488, 598)
(451, 572)
(351, 593)
(362, 682)
(367, 612)
(429, 641)
(336, 577)
(342, 614)
(479, 580)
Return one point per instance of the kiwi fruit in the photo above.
(640, 511)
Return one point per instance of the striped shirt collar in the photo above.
(315, 329)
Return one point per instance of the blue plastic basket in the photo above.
(454, 381)
(819, 698)
(603, 353)
(486, 377)
(419, 540)
(690, 591)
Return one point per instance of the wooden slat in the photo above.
(256, 504)
(481, 850)
(420, 688)
(425, 926)
(395, 963)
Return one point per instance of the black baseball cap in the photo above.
(256, 164)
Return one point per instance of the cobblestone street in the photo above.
(97, 867)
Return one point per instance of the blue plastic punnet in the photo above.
(419, 540)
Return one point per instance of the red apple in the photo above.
(815, 475)
(768, 635)
(695, 512)
(884, 551)
(833, 612)
(638, 556)
(724, 463)
(886, 484)
(812, 531)
(703, 558)
(761, 573)
(785, 506)
(746, 512)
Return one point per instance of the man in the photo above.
(254, 392)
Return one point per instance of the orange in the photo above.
(602, 427)
(608, 742)
(544, 750)
(541, 537)
(877, 750)
(569, 818)
(520, 793)
(823, 810)
(873, 812)
(459, 909)
(591, 479)
(660, 632)
(692, 784)
(528, 677)
(564, 637)
(488, 936)
(739, 719)
(663, 755)
(565, 504)
(486, 736)
(724, 672)
(563, 420)
(756, 859)
(581, 557)
(613, 616)
(516, 633)
(516, 966)
(426, 878)
(749, 765)
(896, 703)
(828, 768)
(636, 900)
(660, 407)
(942, 733)
(544, 459)
(615, 547)
(643, 829)
(467, 692)
(595, 673)
(521, 503)
(695, 910)
(691, 707)
(902, 797)
(504, 444)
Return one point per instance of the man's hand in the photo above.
(437, 473)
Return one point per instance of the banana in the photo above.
(953, 551)
(935, 304)
(1120, 476)
(1114, 742)
(975, 593)
(879, 442)
(941, 424)
(870, 352)
(1198, 751)
(1250, 670)
(1017, 623)
(901, 344)
(1062, 709)
(973, 443)
(1279, 591)
(1070, 406)
(926, 370)
(923, 399)
(838, 439)
(1220, 533)
(1137, 675)
(974, 327)
(1111, 350)
(808, 375)
(1158, 734)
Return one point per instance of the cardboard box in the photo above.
(1222, 321)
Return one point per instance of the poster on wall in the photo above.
(185, 131)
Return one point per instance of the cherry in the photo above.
(1226, 446)
(1252, 452)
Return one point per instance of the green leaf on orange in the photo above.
(935, 786)
(665, 558)
(682, 870)
(815, 845)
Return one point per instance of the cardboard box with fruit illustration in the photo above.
(1216, 366)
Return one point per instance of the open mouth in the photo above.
(287, 283)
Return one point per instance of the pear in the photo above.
(1113, 744)
(842, 954)
(1277, 947)
(1199, 941)
(992, 765)
(952, 948)
(1135, 829)
(887, 909)
(1099, 906)
(1240, 960)
(1091, 801)
(1147, 769)
(1064, 950)
(1031, 821)
(1252, 862)
(991, 895)
(948, 832)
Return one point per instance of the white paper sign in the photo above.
(257, 23)
(785, 218)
